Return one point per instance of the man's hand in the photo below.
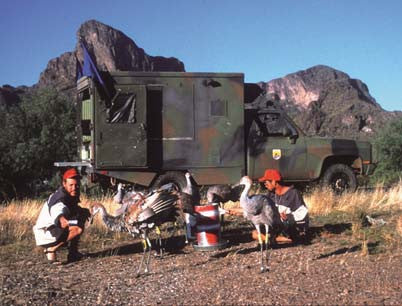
(235, 211)
(63, 222)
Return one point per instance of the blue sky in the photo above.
(264, 39)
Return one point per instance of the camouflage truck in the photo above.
(153, 127)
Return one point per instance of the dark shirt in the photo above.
(291, 198)
(61, 195)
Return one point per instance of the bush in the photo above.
(33, 135)
(388, 146)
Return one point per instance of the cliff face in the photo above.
(110, 49)
(309, 85)
(327, 102)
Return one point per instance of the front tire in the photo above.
(340, 178)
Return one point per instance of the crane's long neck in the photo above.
(244, 194)
(101, 209)
(189, 186)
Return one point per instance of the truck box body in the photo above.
(166, 121)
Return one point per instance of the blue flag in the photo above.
(89, 69)
(78, 69)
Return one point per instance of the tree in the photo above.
(388, 146)
(33, 135)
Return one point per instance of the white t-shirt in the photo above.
(48, 219)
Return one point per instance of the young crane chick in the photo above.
(259, 210)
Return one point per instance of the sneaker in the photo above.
(75, 256)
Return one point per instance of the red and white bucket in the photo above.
(208, 228)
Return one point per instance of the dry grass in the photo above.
(18, 217)
(324, 201)
(379, 202)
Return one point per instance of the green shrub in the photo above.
(388, 146)
(33, 135)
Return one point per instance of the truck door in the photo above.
(120, 129)
(274, 143)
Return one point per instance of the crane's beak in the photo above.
(236, 185)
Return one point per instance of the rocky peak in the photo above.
(310, 85)
(110, 49)
(327, 102)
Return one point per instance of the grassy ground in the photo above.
(343, 217)
(348, 262)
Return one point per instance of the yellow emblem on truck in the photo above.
(276, 154)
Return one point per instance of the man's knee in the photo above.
(76, 231)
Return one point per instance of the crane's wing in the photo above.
(157, 204)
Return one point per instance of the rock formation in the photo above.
(327, 102)
(110, 49)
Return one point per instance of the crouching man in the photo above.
(62, 220)
(292, 209)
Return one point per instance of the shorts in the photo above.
(62, 238)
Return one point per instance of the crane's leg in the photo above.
(187, 225)
(266, 245)
(159, 233)
(221, 217)
(144, 246)
(260, 242)
(149, 255)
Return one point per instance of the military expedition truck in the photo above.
(150, 128)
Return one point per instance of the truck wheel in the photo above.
(340, 178)
(176, 178)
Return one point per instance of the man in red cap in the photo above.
(61, 219)
(290, 203)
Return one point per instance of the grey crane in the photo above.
(189, 197)
(259, 209)
(142, 217)
(221, 194)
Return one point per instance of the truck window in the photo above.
(219, 108)
(86, 112)
(123, 108)
(272, 124)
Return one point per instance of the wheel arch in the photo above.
(352, 161)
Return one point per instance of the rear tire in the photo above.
(340, 178)
(176, 178)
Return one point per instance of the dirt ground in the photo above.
(325, 271)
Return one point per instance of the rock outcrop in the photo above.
(110, 49)
(327, 102)
(309, 85)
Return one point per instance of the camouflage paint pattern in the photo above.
(199, 122)
(184, 121)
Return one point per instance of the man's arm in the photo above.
(63, 222)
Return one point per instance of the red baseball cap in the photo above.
(271, 175)
(71, 173)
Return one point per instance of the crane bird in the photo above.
(141, 217)
(189, 197)
(259, 209)
(221, 194)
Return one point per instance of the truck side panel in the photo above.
(181, 121)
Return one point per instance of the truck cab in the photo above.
(275, 141)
